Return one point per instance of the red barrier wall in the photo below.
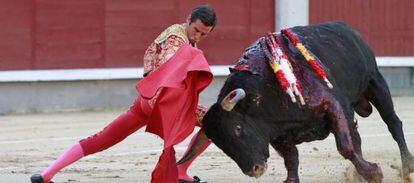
(62, 34)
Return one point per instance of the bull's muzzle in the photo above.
(232, 98)
(257, 170)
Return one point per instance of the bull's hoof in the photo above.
(377, 174)
(373, 174)
(291, 180)
(408, 167)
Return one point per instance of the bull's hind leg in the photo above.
(379, 95)
(340, 128)
(290, 155)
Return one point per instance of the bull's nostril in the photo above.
(256, 168)
(256, 171)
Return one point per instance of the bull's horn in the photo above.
(200, 140)
(232, 98)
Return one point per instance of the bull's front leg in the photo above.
(339, 124)
(290, 155)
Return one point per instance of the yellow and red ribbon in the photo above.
(283, 70)
(309, 58)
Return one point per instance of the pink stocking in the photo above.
(73, 154)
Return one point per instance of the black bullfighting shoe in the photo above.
(196, 180)
(37, 178)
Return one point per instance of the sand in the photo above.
(30, 142)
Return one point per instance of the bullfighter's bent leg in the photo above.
(339, 124)
(290, 155)
(115, 132)
(379, 95)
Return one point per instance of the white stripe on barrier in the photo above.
(136, 73)
(395, 61)
(85, 74)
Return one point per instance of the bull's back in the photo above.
(348, 60)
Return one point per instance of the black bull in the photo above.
(267, 116)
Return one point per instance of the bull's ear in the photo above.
(232, 98)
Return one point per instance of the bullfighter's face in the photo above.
(197, 31)
(239, 137)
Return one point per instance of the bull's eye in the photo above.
(238, 130)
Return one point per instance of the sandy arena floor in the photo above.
(30, 142)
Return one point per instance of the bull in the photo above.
(252, 111)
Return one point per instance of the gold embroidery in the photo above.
(162, 49)
(176, 30)
(200, 113)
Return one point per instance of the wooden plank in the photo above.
(386, 25)
(65, 64)
(125, 54)
(133, 5)
(96, 33)
(68, 52)
(144, 18)
(238, 27)
(132, 34)
(15, 47)
(261, 18)
(69, 34)
(225, 53)
(61, 15)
